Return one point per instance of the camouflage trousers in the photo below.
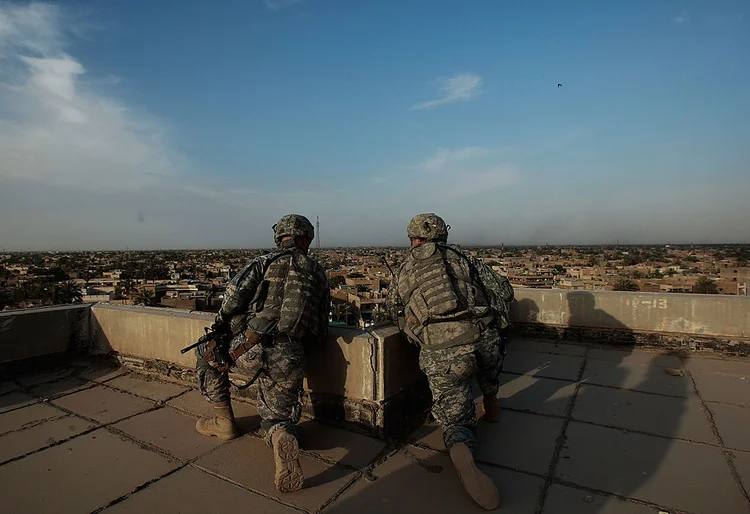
(450, 372)
(279, 384)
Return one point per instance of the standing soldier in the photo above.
(274, 309)
(455, 308)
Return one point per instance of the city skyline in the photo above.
(132, 125)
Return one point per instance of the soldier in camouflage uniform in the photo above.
(274, 309)
(455, 308)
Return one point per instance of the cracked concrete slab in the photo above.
(547, 365)
(535, 394)
(632, 356)
(723, 387)
(103, 404)
(534, 345)
(418, 480)
(15, 400)
(15, 444)
(193, 402)
(80, 475)
(687, 476)
(152, 389)
(638, 377)
(28, 416)
(61, 387)
(566, 500)
(170, 430)
(191, 491)
(341, 446)
(667, 416)
(732, 423)
(322, 481)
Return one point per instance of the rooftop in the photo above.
(585, 429)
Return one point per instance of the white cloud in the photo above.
(443, 157)
(457, 88)
(275, 5)
(681, 18)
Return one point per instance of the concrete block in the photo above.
(103, 404)
(655, 414)
(534, 394)
(79, 476)
(28, 416)
(638, 377)
(20, 443)
(534, 345)
(151, 389)
(733, 424)
(732, 365)
(101, 373)
(185, 491)
(194, 403)
(15, 400)
(633, 356)
(171, 431)
(249, 461)
(342, 446)
(519, 441)
(676, 474)
(723, 387)
(564, 367)
(61, 387)
(417, 480)
(44, 376)
(566, 500)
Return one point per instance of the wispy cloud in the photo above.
(681, 18)
(275, 5)
(444, 157)
(457, 88)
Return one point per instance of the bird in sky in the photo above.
(559, 85)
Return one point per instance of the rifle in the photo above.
(385, 261)
(208, 337)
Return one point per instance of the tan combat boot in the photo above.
(491, 409)
(289, 476)
(222, 425)
(479, 486)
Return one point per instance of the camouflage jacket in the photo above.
(241, 290)
(495, 285)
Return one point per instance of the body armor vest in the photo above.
(443, 301)
(293, 284)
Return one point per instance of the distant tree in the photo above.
(341, 311)
(335, 281)
(705, 286)
(636, 274)
(625, 284)
(363, 288)
(559, 268)
(6, 299)
(355, 274)
(65, 292)
(144, 297)
(128, 287)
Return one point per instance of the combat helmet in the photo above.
(292, 225)
(428, 226)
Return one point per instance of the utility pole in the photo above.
(317, 230)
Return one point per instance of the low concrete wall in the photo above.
(719, 322)
(44, 331)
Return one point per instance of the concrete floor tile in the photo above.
(28, 416)
(101, 372)
(151, 389)
(416, 480)
(723, 387)
(8, 386)
(20, 443)
(675, 474)
(565, 367)
(733, 424)
(638, 377)
(45, 376)
(566, 500)
(193, 402)
(103, 404)
(78, 476)
(171, 431)
(632, 356)
(191, 491)
(14, 400)
(660, 415)
(61, 387)
(343, 446)
(519, 441)
(535, 394)
(249, 461)
(742, 463)
(732, 365)
(533, 345)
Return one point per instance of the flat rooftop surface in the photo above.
(584, 430)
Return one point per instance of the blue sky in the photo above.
(179, 124)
